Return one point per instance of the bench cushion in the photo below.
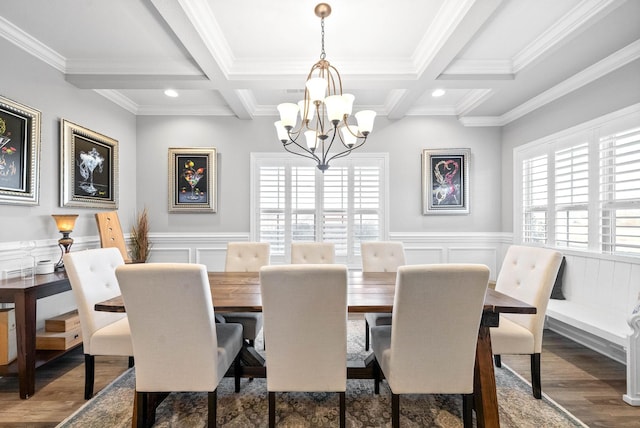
(607, 324)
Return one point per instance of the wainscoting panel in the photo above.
(214, 258)
(484, 255)
(170, 255)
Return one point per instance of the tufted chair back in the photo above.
(312, 252)
(528, 274)
(246, 256)
(92, 274)
(382, 256)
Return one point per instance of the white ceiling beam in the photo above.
(192, 21)
(470, 21)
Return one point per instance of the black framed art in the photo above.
(19, 153)
(445, 181)
(192, 180)
(89, 168)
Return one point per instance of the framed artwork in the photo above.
(445, 181)
(89, 168)
(192, 180)
(19, 153)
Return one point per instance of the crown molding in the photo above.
(432, 111)
(184, 111)
(117, 98)
(480, 67)
(571, 22)
(481, 121)
(32, 45)
(614, 61)
(143, 66)
(472, 100)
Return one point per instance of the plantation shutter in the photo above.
(571, 171)
(534, 200)
(271, 198)
(620, 192)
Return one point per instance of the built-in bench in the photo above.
(600, 294)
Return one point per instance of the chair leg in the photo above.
(131, 362)
(366, 335)
(89, 370)
(212, 404)
(536, 383)
(141, 409)
(376, 376)
(498, 360)
(467, 410)
(343, 410)
(237, 371)
(395, 410)
(272, 409)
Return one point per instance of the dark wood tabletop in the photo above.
(368, 292)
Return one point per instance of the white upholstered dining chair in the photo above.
(380, 256)
(246, 257)
(312, 252)
(442, 305)
(177, 344)
(92, 275)
(305, 321)
(527, 274)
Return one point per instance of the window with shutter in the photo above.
(620, 192)
(293, 201)
(580, 187)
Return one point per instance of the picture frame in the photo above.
(89, 168)
(19, 153)
(445, 181)
(192, 180)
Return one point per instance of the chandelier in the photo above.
(324, 112)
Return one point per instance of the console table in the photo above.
(24, 293)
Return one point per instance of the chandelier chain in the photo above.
(322, 53)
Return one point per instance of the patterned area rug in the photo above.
(113, 406)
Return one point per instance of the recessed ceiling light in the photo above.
(438, 93)
(171, 93)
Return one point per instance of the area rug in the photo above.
(113, 406)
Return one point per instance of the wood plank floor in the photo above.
(587, 384)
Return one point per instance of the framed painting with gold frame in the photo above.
(192, 180)
(89, 168)
(19, 153)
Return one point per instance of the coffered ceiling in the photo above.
(497, 59)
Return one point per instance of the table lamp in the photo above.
(65, 223)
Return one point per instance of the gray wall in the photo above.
(235, 139)
(612, 92)
(28, 80)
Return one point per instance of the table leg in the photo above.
(25, 307)
(484, 383)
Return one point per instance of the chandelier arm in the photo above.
(337, 73)
(306, 152)
(347, 151)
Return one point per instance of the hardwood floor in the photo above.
(587, 384)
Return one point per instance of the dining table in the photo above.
(367, 292)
